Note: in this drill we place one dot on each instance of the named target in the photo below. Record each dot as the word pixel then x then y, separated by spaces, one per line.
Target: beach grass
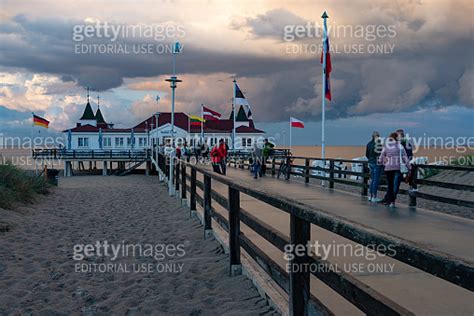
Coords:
pixel 19 186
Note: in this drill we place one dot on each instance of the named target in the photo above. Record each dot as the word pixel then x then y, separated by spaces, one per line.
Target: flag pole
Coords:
pixel 323 95
pixel 233 118
pixel 202 124
pixel 290 136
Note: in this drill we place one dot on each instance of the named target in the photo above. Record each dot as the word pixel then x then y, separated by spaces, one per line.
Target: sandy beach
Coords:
pixel 38 258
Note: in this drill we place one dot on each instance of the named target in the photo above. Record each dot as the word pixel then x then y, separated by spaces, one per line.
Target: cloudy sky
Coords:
pixel 396 64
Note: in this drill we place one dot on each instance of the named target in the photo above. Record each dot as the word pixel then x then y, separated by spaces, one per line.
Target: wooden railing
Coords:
pixel 337 172
pixel 131 155
pixel 297 283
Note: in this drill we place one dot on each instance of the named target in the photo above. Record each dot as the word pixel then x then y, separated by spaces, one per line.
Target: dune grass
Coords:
pixel 19 186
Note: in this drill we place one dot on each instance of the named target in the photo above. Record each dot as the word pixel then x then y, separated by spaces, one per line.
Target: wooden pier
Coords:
pixel 433 255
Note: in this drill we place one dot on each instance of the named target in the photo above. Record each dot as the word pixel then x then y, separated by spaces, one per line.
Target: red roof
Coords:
pixel 92 129
pixel 180 120
pixel 211 126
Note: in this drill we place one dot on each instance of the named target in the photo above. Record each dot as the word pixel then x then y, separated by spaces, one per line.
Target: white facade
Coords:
pixel 110 141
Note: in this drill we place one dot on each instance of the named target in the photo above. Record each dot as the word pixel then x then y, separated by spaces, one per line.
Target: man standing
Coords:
pixel 372 152
pixel 223 155
pixel 267 152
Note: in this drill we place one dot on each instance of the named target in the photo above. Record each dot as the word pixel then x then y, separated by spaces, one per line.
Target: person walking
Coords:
pixel 257 158
pixel 216 159
pixel 395 161
pixel 223 155
pixel 372 152
pixel 267 152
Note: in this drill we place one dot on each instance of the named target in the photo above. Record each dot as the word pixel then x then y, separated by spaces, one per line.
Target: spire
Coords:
pixel 98 115
pixel 88 113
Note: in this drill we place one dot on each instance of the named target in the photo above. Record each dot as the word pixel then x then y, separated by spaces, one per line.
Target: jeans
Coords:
pixel 375 173
pixel 223 166
pixel 394 178
pixel 256 168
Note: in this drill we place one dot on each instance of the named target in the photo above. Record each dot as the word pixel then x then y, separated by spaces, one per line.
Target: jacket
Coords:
pixel 390 156
pixel 215 155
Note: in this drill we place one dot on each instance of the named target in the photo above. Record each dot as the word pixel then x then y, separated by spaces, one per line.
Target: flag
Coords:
pixel 240 100
pixel 327 71
pixel 38 120
pixel 196 120
pixel 209 114
pixel 296 123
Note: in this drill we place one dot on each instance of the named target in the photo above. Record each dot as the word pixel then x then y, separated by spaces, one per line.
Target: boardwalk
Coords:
pixel 37 271
pixel 412 288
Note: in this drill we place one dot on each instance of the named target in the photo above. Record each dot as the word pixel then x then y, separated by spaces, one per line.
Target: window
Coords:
pixel 142 141
pixel 107 142
pixel 118 141
pixel 83 142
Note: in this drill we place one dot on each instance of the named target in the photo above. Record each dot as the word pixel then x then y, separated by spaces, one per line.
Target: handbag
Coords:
pixel 403 166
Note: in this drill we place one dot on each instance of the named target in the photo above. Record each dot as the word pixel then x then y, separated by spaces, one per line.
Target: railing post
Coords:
pixel 365 179
pixel 192 202
pixel 176 176
pixel 92 154
pixel 235 267
pixel 414 186
pixel 183 184
pixel 331 174
pixel 300 234
pixel 273 166
pixel 288 163
pixel 74 154
pixel 207 207
pixel 306 170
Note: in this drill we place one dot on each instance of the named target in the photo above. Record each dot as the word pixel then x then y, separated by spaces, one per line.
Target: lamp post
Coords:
pixel 173 80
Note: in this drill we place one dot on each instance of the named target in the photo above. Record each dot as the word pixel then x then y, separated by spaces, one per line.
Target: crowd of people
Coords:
pixel 391 157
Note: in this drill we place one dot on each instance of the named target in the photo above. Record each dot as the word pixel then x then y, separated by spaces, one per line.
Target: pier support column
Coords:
pixel 147 168
pixel 104 168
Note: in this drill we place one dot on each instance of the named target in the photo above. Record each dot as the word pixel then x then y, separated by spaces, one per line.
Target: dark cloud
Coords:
pixel 425 69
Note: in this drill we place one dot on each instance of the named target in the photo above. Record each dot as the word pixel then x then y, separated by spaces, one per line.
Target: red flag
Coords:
pixel 327 71
pixel 209 114
pixel 296 123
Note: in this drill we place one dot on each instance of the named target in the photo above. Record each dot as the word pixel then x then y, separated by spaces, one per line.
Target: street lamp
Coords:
pixel 173 80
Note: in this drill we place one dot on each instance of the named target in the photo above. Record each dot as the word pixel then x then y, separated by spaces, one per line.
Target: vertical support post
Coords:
pixel 192 202
pixel 273 166
pixel 306 170
pixel 235 267
pixel 331 174
pixel 104 168
pixel 177 175
pixel 414 186
pixel 183 184
pixel 300 233
pixel 365 179
pixel 207 207
pixel 288 163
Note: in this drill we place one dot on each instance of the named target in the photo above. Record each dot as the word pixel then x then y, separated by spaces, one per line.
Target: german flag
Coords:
pixel 38 120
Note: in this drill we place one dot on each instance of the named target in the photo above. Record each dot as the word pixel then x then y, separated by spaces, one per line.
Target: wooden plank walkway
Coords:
pixel 414 289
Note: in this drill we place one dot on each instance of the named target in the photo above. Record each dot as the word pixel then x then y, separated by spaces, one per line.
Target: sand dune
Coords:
pixel 37 270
